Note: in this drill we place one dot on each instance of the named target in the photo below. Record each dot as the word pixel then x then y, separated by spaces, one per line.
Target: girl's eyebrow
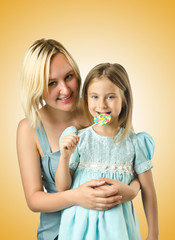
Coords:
pixel 92 93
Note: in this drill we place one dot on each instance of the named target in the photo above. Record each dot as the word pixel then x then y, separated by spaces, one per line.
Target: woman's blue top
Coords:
pixel 49 222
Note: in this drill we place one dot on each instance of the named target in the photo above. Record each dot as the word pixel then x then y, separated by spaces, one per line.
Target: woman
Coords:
pixel 50 85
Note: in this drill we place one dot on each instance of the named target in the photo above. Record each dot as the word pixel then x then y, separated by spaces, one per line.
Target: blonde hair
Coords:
pixel 35 76
pixel 117 75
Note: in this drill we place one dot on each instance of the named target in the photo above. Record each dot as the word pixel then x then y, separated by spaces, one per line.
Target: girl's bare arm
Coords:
pixel 150 203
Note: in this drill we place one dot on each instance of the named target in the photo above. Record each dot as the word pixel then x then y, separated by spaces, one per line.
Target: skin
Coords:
pixel 60 112
pixel 105 97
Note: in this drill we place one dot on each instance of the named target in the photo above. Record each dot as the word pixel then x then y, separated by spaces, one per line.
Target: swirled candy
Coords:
pixel 102 119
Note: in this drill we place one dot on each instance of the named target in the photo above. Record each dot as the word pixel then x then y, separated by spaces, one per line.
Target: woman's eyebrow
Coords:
pixel 70 71
pixel 52 79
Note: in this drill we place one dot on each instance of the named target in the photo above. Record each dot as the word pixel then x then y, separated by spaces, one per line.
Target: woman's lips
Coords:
pixel 66 99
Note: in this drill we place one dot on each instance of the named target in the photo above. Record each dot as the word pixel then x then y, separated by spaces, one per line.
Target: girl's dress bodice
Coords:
pixel 99 156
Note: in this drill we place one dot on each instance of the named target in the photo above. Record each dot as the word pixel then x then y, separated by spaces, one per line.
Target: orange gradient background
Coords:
pixel 138 34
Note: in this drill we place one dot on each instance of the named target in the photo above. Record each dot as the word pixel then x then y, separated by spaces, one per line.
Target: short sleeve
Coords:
pixel 75 158
pixel 144 150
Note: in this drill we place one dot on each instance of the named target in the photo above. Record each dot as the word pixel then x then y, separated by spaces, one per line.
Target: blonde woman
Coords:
pixel 49 89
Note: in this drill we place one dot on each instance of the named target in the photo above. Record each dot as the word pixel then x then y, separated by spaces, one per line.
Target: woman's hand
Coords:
pixel 128 192
pixel 96 195
pixel 68 145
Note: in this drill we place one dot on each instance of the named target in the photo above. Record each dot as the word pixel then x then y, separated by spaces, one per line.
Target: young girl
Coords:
pixel 110 151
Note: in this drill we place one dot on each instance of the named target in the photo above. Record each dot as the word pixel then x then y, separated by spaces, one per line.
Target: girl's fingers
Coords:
pixel 70 141
pixel 72 138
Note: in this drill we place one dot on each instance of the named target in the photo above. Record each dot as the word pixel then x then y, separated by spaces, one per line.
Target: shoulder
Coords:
pixel 145 139
pixel 24 126
pixel 25 130
pixel 145 144
pixel 141 137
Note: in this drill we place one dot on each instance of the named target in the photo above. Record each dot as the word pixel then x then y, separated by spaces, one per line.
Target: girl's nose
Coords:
pixel 102 104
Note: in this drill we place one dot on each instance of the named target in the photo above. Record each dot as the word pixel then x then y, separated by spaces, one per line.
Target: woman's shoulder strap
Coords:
pixel 42 137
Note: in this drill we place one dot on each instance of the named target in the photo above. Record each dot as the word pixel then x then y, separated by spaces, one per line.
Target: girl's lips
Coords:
pixel 104 113
pixel 66 99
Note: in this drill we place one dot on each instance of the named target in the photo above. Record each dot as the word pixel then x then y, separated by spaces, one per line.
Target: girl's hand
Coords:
pixel 89 196
pixel 68 145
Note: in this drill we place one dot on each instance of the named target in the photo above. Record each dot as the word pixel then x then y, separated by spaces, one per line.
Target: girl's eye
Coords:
pixel 94 97
pixel 110 97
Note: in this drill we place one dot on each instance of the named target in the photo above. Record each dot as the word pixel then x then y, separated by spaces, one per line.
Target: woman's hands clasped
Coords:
pixel 96 195
pixel 105 193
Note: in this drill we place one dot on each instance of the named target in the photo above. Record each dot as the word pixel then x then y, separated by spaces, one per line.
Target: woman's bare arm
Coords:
pixel 38 200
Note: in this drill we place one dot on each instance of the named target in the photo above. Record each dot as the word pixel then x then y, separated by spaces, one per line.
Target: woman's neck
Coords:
pixel 57 116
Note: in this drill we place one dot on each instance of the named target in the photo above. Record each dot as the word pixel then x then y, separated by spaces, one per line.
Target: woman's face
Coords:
pixel 63 86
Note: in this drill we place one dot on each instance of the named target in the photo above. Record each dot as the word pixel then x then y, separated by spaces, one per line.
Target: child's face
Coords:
pixel 104 97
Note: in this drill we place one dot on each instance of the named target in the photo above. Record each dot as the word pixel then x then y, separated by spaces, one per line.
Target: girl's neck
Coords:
pixel 107 130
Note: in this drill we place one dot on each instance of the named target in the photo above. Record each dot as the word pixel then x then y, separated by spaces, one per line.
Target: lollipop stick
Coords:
pixel 87 129
pixel 100 120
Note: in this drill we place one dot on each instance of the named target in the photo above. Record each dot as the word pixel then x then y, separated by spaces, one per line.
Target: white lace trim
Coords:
pixel 143 167
pixel 119 167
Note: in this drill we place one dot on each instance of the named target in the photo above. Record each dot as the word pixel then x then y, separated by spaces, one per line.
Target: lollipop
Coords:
pixel 100 120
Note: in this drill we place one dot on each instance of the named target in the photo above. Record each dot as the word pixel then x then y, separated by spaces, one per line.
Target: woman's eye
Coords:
pixel 51 84
pixel 69 76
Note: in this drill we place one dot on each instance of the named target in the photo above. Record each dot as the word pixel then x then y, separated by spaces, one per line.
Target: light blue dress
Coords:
pixel 49 222
pixel 99 156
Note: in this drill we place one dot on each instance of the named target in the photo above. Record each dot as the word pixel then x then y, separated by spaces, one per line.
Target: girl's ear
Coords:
pixel 123 103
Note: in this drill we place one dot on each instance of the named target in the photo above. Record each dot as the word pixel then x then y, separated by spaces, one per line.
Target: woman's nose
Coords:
pixel 64 89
